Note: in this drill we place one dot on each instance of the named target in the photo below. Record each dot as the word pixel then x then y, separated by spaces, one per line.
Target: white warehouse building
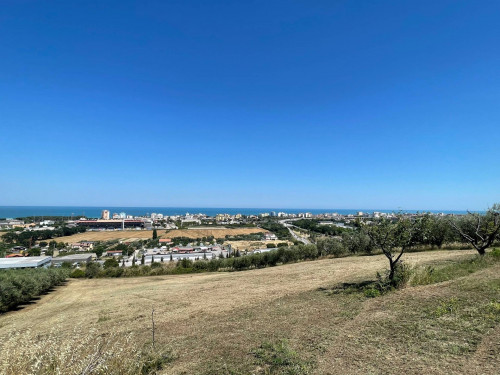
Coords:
pixel 25 262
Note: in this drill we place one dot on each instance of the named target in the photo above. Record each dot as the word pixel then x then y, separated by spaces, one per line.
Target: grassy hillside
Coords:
pixel 281 320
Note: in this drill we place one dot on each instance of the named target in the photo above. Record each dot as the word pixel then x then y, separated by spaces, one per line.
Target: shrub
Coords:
pixel 77 273
pixel 371 292
pixel 111 262
pixel 156 265
pixel 112 272
pixel 185 263
pixel 402 275
pixel 92 270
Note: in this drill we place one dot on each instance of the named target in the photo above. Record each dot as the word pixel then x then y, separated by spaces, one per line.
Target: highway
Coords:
pixel 296 237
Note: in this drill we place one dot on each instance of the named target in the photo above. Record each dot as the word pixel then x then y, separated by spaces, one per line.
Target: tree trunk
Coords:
pixel 391 273
pixel 481 251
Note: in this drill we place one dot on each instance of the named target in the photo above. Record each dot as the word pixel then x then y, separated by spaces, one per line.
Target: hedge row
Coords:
pixel 18 287
pixel 272 258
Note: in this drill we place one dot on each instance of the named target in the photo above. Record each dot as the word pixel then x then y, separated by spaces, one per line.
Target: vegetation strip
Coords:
pixel 19 287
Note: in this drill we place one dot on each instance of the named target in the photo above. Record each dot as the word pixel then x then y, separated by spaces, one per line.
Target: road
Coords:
pixel 295 236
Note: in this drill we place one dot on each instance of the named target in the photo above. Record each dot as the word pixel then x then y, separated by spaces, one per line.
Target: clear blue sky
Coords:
pixel 304 104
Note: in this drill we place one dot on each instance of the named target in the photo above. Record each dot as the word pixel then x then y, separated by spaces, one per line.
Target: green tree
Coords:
pixel 10 237
pixel 143 259
pixel 34 252
pixel 357 241
pixel 330 246
pixel 133 261
pixel 92 270
pixel 479 230
pixel 110 263
pixel 393 238
pixel 155 234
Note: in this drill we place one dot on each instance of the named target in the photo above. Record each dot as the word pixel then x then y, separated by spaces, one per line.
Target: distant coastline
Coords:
pixel 94 212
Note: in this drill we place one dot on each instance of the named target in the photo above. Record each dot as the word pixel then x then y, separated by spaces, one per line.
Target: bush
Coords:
pixel 185 263
pixel 156 265
pixel 259 260
pixel 92 270
pixel 112 272
pixel 110 263
pixel 77 273
pixel 402 275
pixel 371 292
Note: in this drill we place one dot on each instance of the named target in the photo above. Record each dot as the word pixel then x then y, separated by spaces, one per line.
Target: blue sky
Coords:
pixel 324 104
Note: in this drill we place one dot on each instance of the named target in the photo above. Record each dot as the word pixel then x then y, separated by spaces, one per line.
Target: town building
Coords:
pixel 83 245
pixel 105 215
pixel 269 236
pixel 11 223
pixel 75 258
pixel 114 253
pixel 25 262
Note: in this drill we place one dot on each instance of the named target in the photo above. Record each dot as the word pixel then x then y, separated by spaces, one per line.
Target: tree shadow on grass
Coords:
pixel 369 288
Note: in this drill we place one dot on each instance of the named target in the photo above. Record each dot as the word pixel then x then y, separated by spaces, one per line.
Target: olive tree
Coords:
pixel 393 238
pixel 477 229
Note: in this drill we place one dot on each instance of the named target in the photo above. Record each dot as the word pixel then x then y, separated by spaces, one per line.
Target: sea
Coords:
pixel 95 212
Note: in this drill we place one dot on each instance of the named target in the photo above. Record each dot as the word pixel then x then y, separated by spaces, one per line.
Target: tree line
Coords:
pixel 18 287
pixel 29 238
pixel 314 226
pixel 279 230
pixel 164 266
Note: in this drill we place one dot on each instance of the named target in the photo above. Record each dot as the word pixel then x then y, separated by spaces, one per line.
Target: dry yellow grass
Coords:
pixel 213 320
pixel 253 245
pixel 147 234
pixel 215 232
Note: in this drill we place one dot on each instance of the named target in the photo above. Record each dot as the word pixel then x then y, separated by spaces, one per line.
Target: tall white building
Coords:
pixel 105 215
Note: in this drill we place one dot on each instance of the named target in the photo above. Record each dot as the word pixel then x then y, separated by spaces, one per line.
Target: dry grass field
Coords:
pixel 235 323
pixel 147 234
pixel 216 232
pixel 253 245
